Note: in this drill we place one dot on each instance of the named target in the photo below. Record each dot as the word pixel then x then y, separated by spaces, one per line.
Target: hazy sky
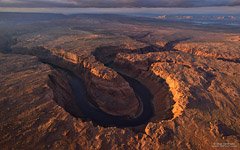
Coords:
pixel 198 10
pixel 117 3
pixel 123 6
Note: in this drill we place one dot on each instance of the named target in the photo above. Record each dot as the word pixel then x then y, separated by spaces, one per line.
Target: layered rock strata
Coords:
pixel 205 109
pixel 101 82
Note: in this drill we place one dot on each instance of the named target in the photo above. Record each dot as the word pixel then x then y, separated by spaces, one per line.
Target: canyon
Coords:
pixel 123 84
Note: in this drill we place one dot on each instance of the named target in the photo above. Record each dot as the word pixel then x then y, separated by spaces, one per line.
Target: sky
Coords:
pixel 123 6
pixel 116 3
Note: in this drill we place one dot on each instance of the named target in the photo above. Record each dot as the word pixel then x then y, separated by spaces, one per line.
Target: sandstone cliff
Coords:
pixel 101 82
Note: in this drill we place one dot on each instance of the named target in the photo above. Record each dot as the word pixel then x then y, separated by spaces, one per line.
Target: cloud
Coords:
pixel 117 3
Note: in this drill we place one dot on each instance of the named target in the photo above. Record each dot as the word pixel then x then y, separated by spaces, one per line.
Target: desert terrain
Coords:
pixel 117 82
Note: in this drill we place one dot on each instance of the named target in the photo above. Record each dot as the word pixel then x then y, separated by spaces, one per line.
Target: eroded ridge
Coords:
pixel 101 114
pixel 101 82
pixel 162 97
pixel 95 80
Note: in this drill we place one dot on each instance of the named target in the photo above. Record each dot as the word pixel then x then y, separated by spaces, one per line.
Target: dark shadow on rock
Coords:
pixel 219 128
pixel 166 136
pixel 171 44
pixel 106 55
pixel 6 43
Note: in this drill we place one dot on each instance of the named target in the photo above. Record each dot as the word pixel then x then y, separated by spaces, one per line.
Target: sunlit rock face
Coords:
pixel 194 82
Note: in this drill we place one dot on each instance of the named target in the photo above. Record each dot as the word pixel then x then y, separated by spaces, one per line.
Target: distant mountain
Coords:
pixel 233 20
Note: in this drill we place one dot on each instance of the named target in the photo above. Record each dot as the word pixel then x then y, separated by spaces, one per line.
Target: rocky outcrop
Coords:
pixel 139 69
pixel 202 90
pixel 220 50
pixel 101 82
pixel 34 110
